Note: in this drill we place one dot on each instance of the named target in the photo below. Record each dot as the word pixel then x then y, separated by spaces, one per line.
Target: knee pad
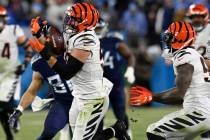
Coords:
pixel 151 136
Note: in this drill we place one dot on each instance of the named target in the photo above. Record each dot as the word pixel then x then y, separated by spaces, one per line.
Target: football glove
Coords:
pixel 37 25
pixel 129 74
pixel 21 68
pixel 13 119
pixel 140 95
pixel 44 50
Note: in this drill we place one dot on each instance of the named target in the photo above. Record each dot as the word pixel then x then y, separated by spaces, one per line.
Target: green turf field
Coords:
pixel 32 123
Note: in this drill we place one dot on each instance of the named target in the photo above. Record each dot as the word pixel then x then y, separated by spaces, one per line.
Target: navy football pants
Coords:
pixel 57 118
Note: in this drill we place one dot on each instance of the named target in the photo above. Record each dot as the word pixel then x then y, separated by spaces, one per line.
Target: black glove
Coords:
pixel 14 118
pixel 47 52
pixel 21 68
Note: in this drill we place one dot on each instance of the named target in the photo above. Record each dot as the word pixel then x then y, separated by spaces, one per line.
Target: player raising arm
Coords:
pixel 58 115
pixel 192 89
pixel 83 65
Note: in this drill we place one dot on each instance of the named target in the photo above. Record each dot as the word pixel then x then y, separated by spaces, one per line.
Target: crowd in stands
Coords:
pixel 141 22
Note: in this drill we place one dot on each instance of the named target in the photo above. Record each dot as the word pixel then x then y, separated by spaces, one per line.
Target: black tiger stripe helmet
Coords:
pixel 179 35
pixel 80 17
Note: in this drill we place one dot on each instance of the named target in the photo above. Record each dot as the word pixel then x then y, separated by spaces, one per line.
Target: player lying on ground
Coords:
pixel 58 115
pixel 83 65
pixel 11 36
pixel 192 89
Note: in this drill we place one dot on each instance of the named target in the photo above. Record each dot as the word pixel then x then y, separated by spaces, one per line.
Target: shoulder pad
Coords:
pixel 116 35
pixel 84 41
pixel 35 58
pixel 182 57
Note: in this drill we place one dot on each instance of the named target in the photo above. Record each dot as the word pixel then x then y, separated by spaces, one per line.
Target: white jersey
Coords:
pixel 198 93
pixel 88 82
pixel 9 84
pixel 202 42
pixel 8 48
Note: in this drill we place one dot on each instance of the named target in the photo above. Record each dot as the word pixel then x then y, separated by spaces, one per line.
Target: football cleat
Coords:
pixel 120 131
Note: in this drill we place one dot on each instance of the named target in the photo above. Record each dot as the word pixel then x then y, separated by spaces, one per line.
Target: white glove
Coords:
pixel 167 56
pixel 129 74
pixel 39 103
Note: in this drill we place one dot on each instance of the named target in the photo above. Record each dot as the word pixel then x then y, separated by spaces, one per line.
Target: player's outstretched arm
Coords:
pixel 128 55
pixel 75 60
pixel 175 95
pixel 32 91
pixel 140 95
pixel 27 98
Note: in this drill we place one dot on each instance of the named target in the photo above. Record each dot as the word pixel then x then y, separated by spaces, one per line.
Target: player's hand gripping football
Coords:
pixel 13 119
pixel 140 96
pixel 37 25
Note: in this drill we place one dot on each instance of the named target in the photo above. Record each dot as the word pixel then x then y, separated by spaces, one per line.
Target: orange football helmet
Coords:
pixel 179 34
pixel 198 10
pixel 3 17
pixel 80 17
pixel 3 11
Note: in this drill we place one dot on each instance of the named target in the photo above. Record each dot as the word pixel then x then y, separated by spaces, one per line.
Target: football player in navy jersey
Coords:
pixel 58 115
pixel 115 53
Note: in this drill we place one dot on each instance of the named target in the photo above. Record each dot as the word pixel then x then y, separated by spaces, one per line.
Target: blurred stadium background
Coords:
pixel 139 21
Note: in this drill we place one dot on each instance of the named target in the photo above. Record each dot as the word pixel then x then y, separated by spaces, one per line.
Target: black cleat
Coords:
pixel 120 131
pixel 16 127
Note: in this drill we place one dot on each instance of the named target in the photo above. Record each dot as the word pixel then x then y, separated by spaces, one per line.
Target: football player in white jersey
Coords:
pixel 83 65
pixel 198 15
pixel 192 89
pixel 11 36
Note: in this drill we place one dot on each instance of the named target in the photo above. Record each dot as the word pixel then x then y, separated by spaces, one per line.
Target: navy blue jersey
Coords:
pixel 61 88
pixel 113 60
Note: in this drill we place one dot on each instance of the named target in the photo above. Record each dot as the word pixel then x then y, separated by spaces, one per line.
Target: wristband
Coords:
pixel 20 108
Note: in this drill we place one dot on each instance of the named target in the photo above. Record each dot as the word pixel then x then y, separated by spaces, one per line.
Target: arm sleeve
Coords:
pixel 68 69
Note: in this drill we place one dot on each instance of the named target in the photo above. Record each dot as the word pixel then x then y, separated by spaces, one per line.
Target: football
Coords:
pixel 55 38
